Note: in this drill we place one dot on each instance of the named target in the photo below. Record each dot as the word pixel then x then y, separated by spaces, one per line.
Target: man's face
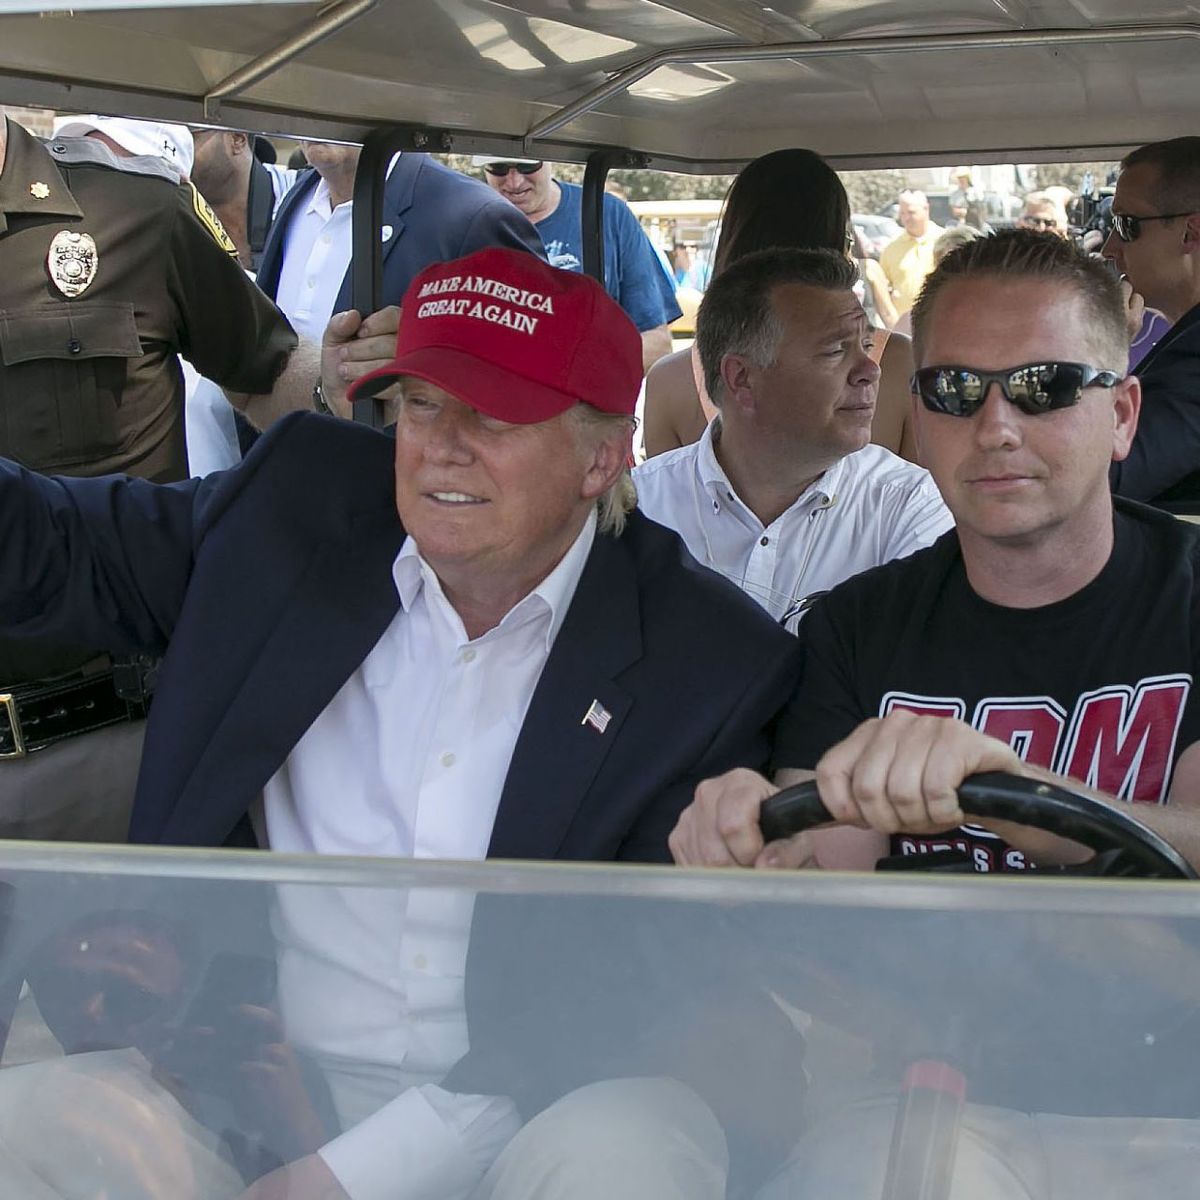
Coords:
pixel 819 395
pixel 1043 217
pixel 1007 476
pixel 914 216
pixel 485 499
pixel 332 158
pixel 533 194
pixel 213 167
pixel 1154 262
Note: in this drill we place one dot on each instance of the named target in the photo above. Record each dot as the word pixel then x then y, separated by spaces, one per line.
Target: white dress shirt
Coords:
pixel 316 256
pixel 317 247
pixel 408 759
pixel 867 509
pixel 212 440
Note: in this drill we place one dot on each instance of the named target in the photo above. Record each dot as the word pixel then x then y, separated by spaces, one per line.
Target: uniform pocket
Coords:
pixel 65 368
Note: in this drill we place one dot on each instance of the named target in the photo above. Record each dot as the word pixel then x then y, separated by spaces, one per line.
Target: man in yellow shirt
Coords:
pixel 908 257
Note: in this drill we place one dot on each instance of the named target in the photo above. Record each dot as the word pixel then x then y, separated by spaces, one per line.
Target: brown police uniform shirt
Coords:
pixel 90 384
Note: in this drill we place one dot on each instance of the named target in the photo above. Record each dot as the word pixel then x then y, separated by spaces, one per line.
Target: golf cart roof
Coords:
pixel 712 82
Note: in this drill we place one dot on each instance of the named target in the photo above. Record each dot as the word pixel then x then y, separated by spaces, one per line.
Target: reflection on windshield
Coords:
pixel 185 1037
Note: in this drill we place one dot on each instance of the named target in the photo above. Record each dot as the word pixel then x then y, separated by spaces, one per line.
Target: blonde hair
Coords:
pixel 615 505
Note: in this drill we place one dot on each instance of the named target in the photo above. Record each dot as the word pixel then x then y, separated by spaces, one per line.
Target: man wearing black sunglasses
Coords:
pixel 1155 242
pixel 634 276
pixel 1051 634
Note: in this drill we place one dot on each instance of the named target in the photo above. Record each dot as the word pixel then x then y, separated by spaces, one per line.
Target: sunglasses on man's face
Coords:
pixel 1128 228
pixel 1034 388
pixel 503 168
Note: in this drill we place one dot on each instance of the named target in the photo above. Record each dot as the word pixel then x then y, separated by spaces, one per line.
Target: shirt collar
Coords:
pixel 716 483
pixel 553 595
pixel 320 203
pixel 28 171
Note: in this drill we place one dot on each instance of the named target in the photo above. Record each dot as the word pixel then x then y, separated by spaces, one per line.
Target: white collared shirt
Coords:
pixel 408 759
pixel 316 257
pixel 317 247
pixel 867 509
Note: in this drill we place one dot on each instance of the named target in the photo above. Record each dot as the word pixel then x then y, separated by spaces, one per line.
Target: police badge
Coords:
pixel 72 262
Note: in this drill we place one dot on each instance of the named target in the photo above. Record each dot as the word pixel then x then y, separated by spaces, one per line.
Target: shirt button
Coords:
pixel 74 345
pixel 310 282
pixel 325 240
pixel 448 759
pixel 765 541
pixel 420 962
pixel 716 506
pixel 468 655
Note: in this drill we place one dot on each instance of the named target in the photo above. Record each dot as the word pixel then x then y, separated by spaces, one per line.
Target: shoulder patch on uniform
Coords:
pixel 73 151
pixel 210 221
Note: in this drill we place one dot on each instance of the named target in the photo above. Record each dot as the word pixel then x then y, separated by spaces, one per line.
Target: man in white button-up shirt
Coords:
pixel 783 494
pixel 461 643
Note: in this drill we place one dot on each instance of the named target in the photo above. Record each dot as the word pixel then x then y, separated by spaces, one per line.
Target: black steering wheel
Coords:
pixel 1124 846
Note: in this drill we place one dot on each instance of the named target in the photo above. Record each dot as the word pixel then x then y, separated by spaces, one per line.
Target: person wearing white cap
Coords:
pixel 127 136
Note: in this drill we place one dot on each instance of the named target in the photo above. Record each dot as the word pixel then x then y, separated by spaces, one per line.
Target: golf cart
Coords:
pixel 181 1023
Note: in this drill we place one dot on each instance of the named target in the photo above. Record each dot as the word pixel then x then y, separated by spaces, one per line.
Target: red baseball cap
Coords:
pixel 514 338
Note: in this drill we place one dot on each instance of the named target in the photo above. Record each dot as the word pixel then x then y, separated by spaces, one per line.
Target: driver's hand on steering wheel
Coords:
pixel 720 827
pixel 899 773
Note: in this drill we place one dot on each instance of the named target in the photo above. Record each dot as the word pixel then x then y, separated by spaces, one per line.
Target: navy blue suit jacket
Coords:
pixel 435 215
pixel 266 586
pixel 1164 461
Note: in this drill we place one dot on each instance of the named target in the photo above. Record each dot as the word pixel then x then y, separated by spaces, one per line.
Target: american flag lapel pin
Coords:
pixel 597 716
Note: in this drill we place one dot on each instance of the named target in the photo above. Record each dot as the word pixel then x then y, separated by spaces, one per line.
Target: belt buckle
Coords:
pixel 8 704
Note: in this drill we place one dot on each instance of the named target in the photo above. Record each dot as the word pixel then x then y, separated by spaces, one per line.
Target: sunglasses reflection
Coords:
pixel 175 1078
pixel 1034 388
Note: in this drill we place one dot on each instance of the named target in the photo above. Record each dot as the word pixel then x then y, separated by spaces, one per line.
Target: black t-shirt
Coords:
pixel 1097 686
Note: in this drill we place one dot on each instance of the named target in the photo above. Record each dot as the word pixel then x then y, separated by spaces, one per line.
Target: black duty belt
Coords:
pixel 36 715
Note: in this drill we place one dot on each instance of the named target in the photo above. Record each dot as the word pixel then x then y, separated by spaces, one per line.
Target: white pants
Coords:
pixel 632 1139
pixel 654 1139
pixel 1003 1155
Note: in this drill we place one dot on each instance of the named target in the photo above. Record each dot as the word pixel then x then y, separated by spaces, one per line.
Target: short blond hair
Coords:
pixel 1020 254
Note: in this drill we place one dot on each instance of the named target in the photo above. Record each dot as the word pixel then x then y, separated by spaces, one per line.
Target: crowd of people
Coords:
pixel 883 562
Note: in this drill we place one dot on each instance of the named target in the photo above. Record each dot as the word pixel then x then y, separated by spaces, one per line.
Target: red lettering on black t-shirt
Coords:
pixel 1122 739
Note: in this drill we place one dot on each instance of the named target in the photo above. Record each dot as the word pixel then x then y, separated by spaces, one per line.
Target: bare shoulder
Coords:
pixel 673 414
pixel 890 427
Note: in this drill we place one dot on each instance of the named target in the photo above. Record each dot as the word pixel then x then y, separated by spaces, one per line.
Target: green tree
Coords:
pixel 1071 174
pixel 872 191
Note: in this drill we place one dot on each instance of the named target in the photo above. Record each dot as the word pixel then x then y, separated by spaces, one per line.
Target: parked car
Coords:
pixel 876 229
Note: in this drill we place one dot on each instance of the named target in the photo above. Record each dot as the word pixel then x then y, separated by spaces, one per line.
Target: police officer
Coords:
pixel 110 267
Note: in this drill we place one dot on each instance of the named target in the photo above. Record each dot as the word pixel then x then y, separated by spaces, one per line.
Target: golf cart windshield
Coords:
pixel 181 1022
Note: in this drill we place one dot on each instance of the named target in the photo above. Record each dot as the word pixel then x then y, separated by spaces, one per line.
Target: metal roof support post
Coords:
pixel 366 256
pixel 599 163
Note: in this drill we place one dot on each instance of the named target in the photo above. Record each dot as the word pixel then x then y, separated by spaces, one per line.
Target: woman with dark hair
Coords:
pixel 788 198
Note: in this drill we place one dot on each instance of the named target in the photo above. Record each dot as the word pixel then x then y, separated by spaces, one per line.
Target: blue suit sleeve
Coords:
pixel 102 562
pixel 744 741
pixel 502 225
pixel 1167 447
pixel 643 288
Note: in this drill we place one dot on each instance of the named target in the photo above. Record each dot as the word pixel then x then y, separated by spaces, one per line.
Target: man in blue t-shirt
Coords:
pixel 633 274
